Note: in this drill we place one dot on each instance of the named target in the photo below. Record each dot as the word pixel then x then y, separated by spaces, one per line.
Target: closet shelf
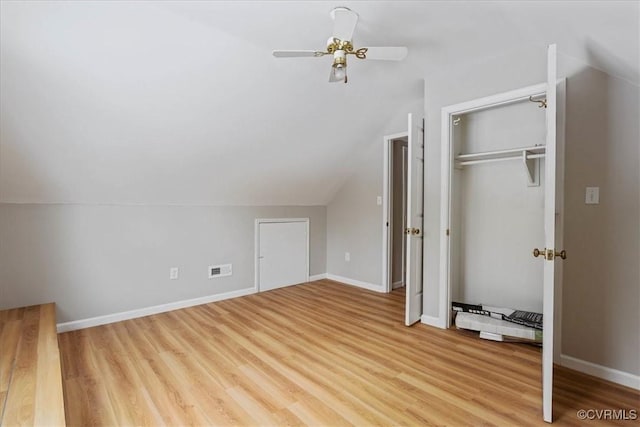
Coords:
pixel 533 152
pixel 528 155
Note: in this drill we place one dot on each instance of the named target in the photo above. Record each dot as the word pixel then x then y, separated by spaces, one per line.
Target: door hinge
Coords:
pixel 447 232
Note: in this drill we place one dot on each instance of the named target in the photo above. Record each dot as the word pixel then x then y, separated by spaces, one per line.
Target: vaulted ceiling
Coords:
pixel 182 102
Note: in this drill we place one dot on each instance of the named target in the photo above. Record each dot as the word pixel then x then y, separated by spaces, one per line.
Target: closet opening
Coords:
pixel 395 207
pixel 496 219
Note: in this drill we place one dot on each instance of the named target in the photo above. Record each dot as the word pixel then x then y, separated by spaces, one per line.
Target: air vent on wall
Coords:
pixel 220 270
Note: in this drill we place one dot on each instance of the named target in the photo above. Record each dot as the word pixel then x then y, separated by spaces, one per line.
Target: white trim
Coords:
pixel 256 251
pixel 561 101
pixel 432 321
pixel 386 207
pixel 358 283
pixel 609 374
pixel 550 218
pixel 147 311
pixel 447 113
pixel 445 204
pixel 317 277
pixel 397 284
pixel 386 213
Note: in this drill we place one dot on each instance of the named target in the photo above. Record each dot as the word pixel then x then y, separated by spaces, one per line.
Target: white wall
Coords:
pixel 94 260
pixel 601 298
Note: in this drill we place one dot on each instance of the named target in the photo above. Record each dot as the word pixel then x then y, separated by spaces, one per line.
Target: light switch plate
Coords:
pixel 379 200
pixel 592 196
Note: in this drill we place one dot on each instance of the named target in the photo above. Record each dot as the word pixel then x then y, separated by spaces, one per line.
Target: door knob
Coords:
pixel 562 254
pixel 549 254
pixel 545 253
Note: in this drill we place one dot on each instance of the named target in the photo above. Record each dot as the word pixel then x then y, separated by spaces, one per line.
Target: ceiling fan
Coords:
pixel 341 44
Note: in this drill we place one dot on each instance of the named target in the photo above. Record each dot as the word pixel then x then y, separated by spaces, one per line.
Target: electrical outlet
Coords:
pixel 347 256
pixel 173 273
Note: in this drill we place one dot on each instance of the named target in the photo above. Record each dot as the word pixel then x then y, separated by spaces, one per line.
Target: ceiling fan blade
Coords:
pixel 296 53
pixel 387 53
pixel 344 23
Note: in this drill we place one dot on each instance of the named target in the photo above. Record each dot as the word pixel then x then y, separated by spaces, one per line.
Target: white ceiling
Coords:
pixel 182 102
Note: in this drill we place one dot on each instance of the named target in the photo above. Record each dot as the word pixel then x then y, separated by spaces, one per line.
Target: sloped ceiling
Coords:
pixel 182 102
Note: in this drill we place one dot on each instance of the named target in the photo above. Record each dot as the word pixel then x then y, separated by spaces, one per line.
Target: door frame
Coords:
pixel 256 255
pixel 387 212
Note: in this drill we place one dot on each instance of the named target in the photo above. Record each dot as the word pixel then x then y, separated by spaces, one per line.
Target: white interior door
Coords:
pixel 415 173
pixel 549 286
pixel 283 254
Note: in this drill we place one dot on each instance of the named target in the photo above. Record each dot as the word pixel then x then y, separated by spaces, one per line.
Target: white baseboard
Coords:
pixel 433 321
pixel 317 277
pixel 397 284
pixel 609 374
pixel 147 311
pixel 358 283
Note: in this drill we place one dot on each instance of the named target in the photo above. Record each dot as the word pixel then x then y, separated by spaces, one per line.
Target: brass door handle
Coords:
pixel 562 254
pixel 549 254
pixel 414 231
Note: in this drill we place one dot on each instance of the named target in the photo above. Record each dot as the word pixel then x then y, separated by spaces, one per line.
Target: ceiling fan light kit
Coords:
pixel 340 45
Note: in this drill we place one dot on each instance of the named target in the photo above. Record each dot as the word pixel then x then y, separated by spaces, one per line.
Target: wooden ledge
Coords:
pixel 30 374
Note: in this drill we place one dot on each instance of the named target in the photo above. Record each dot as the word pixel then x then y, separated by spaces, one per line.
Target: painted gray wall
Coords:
pixel 95 260
pixel 601 321
pixel 601 297
pixel 354 220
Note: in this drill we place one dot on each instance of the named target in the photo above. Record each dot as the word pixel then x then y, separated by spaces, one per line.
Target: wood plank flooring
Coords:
pixel 316 354
pixel 30 372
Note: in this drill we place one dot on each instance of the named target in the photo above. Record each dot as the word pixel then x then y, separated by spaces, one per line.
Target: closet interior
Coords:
pixel 497 207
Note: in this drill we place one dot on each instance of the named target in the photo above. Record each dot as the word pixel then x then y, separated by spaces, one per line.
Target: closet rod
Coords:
pixel 536 148
pixel 499 159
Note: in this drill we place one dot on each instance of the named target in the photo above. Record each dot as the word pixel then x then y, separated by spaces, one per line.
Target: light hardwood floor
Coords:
pixel 317 354
pixel 30 376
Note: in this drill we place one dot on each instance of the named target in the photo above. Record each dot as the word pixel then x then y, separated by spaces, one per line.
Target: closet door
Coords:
pixel 282 253
pixel 552 252
pixel 413 260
